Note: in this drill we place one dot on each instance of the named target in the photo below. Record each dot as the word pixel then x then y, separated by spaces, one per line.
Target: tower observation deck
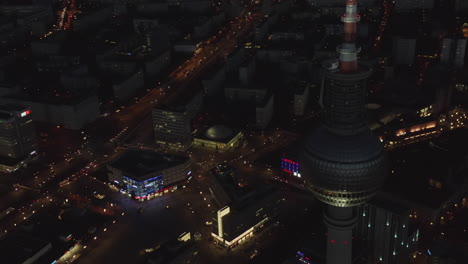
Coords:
pixel 343 163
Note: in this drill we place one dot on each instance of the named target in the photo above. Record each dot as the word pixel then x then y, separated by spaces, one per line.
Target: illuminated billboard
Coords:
pixel 290 166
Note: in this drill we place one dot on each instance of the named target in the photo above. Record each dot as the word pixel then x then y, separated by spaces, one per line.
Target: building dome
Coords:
pixel 218 132
pixel 343 170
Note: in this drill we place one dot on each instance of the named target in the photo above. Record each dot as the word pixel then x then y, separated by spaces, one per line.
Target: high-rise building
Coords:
pixel 414 4
pixel 461 5
pixel 301 98
pixel 343 163
pixel 384 226
pixel 404 50
pixel 172 125
pixel 453 52
pixel 17 133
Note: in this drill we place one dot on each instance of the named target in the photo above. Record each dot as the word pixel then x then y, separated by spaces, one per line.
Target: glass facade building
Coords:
pixel 142 189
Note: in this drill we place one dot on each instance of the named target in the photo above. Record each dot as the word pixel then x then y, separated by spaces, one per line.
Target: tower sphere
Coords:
pixel 343 170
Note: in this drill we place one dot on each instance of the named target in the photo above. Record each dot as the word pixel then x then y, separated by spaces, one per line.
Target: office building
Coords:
pixel 453 52
pixel 411 132
pixel 219 138
pixel 72 113
pixel 17 132
pixel 172 125
pixel 387 231
pixel 442 251
pixel 213 80
pixel 343 163
pixel 301 98
pixel 264 111
pixel 243 210
pixel 461 5
pixel 176 252
pixel 327 3
pixel 440 181
pixel 414 4
pixel 404 50
pixel 143 174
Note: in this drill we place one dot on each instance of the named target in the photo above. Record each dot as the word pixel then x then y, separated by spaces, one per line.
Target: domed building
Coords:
pixel 218 137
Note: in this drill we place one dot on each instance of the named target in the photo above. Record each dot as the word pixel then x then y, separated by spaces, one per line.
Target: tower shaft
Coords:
pixel 340 222
pixel 344 162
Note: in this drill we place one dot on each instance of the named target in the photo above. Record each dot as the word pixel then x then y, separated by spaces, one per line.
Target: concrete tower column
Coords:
pixel 340 222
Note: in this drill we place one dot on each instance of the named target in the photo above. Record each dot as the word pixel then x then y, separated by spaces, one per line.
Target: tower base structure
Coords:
pixel 340 222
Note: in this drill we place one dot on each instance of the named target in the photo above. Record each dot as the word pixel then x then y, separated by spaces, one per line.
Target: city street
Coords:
pixel 43 179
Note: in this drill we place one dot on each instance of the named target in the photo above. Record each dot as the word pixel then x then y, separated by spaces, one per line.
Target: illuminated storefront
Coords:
pixel 143 189
pixel 144 174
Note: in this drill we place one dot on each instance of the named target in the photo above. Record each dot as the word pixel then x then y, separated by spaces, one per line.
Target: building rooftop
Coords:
pixel 179 101
pixel 261 205
pixel 228 186
pixel 426 172
pixel 10 162
pixel 385 201
pixel 19 248
pixel 174 252
pixel 7 109
pixel 5 116
pixel 12 107
pixel 54 100
pixel 138 163
pixel 218 133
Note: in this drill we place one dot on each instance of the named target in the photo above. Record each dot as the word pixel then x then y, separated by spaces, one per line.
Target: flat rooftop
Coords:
pixel 262 204
pixel 12 107
pixel 414 167
pixel 5 116
pixel 384 201
pixel 137 163
pixel 231 185
pixel 53 100
pixel 19 248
